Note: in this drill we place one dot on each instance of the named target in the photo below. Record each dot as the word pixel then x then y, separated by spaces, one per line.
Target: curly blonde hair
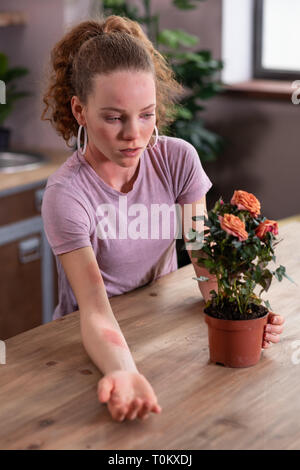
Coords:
pixel 102 46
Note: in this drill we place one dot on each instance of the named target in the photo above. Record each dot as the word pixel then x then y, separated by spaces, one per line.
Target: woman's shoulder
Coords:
pixel 177 152
pixel 63 190
pixel 174 143
pixel 64 176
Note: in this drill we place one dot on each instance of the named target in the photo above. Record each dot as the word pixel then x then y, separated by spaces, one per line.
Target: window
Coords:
pixel 277 39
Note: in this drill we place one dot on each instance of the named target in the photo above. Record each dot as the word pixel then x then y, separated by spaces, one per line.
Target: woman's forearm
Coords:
pixel 204 286
pixel 105 343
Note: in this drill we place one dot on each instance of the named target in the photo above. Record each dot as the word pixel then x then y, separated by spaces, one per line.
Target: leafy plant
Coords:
pixel 8 76
pixel 194 70
pixel 238 243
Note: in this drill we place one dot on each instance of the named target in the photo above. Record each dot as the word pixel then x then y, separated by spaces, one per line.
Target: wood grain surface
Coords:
pixel 48 385
pixel 55 158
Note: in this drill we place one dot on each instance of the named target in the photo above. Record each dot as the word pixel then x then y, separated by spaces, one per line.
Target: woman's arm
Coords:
pixel 127 393
pixel 101 334
pixel 188 211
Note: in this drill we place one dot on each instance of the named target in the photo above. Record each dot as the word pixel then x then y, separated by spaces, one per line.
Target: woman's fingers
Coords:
pixel 275 319
pixel 118 411
pixel 105 387
pixel 137 409
pixel 156 408
pixel 134 409
pixel 273 338
pixel 275 329
pixel 121 394
pixel 145 410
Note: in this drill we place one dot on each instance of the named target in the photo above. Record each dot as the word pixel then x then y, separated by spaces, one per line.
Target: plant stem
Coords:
pixel 237 297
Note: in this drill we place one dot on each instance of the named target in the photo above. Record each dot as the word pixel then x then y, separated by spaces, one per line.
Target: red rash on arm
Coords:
pixel 109 335
pixel 113 337
pixel 94 273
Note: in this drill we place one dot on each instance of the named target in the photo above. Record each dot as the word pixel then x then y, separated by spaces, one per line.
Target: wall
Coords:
pixel 30 46
pixel 261 151
pixel 261 135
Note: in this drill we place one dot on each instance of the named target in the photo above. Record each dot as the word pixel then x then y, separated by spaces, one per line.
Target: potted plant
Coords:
pixel 237 245
pixel 8 76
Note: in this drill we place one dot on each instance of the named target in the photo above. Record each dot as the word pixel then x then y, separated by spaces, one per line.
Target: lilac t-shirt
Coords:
pixel 133 234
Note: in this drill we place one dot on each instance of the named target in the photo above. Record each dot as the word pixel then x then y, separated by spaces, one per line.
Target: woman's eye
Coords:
pixel 118 118
pixel 112 118
pixel 148 115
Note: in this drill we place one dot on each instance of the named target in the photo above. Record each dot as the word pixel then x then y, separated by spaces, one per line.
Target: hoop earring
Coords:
pixel 156 139
pixel 78 140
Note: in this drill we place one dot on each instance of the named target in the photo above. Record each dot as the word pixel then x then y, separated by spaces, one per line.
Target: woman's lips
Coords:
pixel 131 153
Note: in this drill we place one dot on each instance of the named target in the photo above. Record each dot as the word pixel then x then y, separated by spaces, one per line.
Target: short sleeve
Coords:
pixel 190 181
pixel 66 220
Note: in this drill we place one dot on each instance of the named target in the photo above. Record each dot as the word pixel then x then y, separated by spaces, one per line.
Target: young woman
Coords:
pixel 110 84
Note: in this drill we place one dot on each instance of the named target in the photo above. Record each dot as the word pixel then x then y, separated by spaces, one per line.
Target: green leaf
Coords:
pixel 18 95
pixel 5 110
pixel 279 272
pixel 113 3
pixel 191 234
pixel 209 264
pixel 14 73
pixel 201 278
pixel 190 56
pixel 185 4
pixel 3 65
pixel 236 244
pixel 175 38
pixel 267 304
pixel 183 113
pixel 290 279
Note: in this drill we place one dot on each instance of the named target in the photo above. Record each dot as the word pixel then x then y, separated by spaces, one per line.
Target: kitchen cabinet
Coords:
pixel 28 279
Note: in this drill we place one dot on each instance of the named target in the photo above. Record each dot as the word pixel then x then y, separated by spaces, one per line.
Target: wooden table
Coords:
pixel 48 386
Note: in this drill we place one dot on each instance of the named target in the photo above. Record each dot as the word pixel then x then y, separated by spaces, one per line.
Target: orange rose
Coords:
pixel 246 201
pixel 234 226
pixel 266 226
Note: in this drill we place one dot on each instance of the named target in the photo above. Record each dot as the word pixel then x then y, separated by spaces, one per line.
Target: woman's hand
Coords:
pixel 273 329
pixel 128 395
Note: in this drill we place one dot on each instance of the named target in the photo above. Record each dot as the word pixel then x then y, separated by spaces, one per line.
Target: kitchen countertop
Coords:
pixel 9 181
pixel 48 384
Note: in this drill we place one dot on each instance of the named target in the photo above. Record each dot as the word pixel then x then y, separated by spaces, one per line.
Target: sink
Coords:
pixel 13 162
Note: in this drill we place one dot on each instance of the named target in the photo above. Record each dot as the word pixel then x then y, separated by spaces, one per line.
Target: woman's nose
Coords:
pixel 130 130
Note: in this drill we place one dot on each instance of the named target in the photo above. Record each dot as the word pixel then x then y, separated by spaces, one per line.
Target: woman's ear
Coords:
pixel 78 110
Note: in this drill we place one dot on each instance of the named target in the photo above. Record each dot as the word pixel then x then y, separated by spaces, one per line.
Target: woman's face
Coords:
pixel 130 124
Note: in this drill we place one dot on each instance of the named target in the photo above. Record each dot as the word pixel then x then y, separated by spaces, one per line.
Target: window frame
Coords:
pixel 258 70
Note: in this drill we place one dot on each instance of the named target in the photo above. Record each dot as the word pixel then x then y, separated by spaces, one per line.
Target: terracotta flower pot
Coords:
pixel 235 343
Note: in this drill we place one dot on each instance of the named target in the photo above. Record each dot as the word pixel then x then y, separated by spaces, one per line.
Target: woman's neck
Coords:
pixel 119 178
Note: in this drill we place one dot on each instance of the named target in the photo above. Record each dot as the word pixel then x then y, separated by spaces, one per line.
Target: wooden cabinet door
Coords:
pixel 20 286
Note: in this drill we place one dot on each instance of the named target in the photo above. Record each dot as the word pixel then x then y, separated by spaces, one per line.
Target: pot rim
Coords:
pixel 220 323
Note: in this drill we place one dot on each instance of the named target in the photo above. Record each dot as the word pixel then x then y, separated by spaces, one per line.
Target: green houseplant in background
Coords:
pixel 196 71
pixel 8 75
